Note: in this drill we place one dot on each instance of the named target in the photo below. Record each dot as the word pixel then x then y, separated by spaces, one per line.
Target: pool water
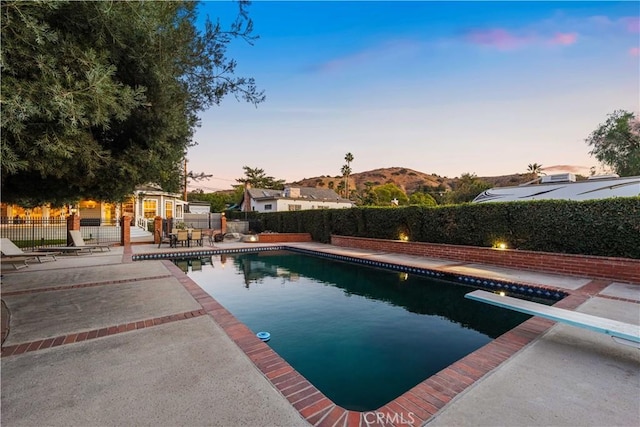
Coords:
pixel 362 335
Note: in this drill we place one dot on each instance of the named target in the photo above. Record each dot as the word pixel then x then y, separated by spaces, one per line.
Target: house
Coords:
pixel 292 199
pixel 147 202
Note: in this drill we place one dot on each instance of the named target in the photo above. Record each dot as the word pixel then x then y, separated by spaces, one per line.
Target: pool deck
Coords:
pixel 101 340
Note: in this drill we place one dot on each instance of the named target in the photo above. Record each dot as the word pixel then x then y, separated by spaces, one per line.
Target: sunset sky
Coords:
pixel 439 87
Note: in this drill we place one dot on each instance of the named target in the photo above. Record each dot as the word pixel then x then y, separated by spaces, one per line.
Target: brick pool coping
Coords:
pixel 416 406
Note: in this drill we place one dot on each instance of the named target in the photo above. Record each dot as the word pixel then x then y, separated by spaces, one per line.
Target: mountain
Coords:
pixel 407 179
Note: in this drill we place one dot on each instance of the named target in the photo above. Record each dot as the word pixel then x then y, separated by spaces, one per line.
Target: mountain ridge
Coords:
pixel 407 179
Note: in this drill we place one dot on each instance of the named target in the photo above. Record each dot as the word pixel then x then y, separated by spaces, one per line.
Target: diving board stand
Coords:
pixel 623 333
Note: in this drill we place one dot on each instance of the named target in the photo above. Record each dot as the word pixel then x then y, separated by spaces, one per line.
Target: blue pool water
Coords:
pixel 361 335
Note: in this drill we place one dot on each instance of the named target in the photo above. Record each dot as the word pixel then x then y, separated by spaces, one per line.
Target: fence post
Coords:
pixel 73 224
pixel 125 231
pixel 223 223
pixel 157 225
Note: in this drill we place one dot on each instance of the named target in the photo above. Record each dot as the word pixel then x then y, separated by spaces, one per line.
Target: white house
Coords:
pixel 149 201
pixel 292 199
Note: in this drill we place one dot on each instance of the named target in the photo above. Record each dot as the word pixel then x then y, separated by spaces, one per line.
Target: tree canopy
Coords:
pixel 616 143
pixel 346 172
pixel 387 192
pixel 466 189
pixel 257 178
pixel 534 169
pixel 98 97
pixel 422 199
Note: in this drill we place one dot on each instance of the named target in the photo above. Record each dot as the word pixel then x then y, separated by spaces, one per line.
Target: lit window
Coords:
pixel 150 208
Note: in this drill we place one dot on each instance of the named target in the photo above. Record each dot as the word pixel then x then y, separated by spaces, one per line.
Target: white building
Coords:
pixel 292 199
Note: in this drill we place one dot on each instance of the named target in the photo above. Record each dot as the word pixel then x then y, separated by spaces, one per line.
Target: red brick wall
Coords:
pixel 125 231
pixel 618 269
pixel 73 224
pixel 284 237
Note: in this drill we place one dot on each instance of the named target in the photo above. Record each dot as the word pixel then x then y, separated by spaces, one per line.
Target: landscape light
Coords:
pixel 404 236
pixel 500 245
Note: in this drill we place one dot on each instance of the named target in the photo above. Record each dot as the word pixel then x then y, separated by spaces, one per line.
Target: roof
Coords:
pixel 309 193
pixel 152 189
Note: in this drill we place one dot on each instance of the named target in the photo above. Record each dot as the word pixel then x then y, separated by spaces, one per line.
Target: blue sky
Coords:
pixel 439 87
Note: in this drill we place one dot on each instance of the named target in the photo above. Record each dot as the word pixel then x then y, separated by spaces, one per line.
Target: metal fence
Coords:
pixel 32 233
pixel 104 233
pixel 203 221
pixel 37 232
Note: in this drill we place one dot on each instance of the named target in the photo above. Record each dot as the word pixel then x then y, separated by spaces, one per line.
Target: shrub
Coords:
pixel 596 227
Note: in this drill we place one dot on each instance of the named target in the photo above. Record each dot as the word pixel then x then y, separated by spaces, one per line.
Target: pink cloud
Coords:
pixel 564 39
pixel 634 51
pixel 497 37
pixel 504 40
pixel 632 24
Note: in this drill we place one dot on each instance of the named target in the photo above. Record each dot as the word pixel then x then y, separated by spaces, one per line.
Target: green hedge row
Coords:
pixel 596 227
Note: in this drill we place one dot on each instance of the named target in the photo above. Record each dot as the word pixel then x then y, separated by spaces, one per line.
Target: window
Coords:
pixel 168 209
pixel 179 211
pixel 295 207
pixel 150 208
pixel 268 207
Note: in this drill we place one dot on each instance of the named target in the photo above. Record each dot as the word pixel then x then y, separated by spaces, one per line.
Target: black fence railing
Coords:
pixel 100 233
pixel 32 233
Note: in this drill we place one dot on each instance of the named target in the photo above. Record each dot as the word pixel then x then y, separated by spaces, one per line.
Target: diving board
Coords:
pixel 623 333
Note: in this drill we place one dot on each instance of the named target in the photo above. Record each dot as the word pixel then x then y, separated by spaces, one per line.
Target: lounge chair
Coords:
pixel 16 262
pixel 10 250
pixel 78 242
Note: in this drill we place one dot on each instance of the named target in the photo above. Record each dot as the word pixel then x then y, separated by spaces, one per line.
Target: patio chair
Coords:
pixel 196 236
pixel 78 242
pixel 182 237
pixel 10 250
pixel 165 238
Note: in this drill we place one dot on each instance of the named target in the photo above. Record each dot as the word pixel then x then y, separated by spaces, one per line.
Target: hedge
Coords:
pixel 608 227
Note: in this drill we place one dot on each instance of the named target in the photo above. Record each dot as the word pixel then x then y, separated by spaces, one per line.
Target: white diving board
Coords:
pixel 623 333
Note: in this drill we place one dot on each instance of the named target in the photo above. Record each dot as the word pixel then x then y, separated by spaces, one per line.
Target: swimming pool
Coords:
pixel 361 335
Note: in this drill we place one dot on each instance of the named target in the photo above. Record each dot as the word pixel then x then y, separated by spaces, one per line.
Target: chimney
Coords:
pixel 292 192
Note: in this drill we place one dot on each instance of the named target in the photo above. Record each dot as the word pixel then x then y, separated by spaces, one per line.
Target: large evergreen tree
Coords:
pixel 98 97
